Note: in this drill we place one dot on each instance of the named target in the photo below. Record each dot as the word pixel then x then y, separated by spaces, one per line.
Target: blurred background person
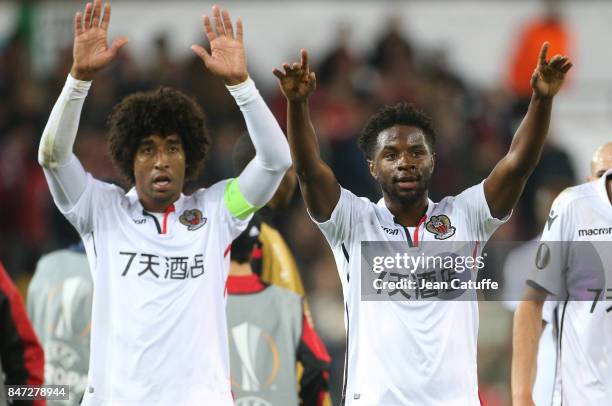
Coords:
pixel 59 305
pixel 549 26
pixel 516 269
pixel 561 273
pixel 269 334
pixel 21 355
pixel 272 259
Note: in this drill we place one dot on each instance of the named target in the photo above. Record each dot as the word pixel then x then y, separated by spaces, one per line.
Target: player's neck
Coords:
pixel 408 214
pixel 237 269
pixel 154 206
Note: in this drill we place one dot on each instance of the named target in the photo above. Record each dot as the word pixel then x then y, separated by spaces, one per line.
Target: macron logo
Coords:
pixel 587 232
pixel 551 219
pixel 390 231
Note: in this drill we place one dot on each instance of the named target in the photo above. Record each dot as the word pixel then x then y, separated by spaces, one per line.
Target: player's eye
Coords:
pixel 390 156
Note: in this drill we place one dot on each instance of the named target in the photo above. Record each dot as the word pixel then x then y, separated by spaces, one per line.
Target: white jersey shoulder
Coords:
pixel 575 195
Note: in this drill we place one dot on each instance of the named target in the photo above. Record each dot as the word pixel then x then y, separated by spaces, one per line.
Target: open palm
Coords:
pixel 91 51
pixel 227 57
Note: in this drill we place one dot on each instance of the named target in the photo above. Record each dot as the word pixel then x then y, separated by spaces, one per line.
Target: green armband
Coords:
pixel 235 202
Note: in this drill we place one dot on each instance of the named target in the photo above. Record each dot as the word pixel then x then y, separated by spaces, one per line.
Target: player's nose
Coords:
pixel 161 160
pixel 405 162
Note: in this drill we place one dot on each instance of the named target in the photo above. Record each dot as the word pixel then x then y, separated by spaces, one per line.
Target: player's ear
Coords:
pixel 433 161
pixel 372 168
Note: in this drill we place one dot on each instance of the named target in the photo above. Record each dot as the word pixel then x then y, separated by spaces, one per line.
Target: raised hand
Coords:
pixel 297 82
pixel 227 58
pixel 548 76
pixel 90 51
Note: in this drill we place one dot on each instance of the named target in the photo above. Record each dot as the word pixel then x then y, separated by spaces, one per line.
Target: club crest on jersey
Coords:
pixel 193 219
pixel 440 226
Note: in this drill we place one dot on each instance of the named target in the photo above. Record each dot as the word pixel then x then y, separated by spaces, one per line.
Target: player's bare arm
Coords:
pixel 318 184
pixel 525 341
pixel 227 58
pixel 505 184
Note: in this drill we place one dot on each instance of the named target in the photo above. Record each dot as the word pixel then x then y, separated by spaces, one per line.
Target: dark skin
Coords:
pixel 159 171
pixel 407 202
pixel 403 165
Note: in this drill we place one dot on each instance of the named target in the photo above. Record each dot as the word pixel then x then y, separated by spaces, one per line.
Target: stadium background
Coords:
pixel 461 61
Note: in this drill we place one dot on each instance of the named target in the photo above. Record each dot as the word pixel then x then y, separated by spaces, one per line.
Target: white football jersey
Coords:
pixel 574 264
pixel 412 352
pixel 159 334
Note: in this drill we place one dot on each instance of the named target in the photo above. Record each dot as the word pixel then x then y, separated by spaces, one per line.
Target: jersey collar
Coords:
pixel 136 206
pixel 390 217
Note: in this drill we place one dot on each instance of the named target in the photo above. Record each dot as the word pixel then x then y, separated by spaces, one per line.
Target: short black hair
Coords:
pixel 163 111
pixel 243 153
pixel 400 114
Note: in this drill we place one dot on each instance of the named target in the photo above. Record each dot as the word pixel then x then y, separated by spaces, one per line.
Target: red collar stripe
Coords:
pixel 416 230
pixel 169 210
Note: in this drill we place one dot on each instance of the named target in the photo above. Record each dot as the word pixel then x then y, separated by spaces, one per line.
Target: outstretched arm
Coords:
pixel 505 184
pixel 261 177
pixel 66 176
pixel 525 342
pixel 318 184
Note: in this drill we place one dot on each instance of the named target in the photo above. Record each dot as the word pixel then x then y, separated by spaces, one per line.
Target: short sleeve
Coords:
pixel 343 218
pixel 474 203
pixel 97 197
pixel 550 261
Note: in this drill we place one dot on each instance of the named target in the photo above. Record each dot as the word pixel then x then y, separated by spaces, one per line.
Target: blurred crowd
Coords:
pixel 474 128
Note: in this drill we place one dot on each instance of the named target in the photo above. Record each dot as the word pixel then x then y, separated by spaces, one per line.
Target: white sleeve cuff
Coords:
pixel 76 87
pixel 244 92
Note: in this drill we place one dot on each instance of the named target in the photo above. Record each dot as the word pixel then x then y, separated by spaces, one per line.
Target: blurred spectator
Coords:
pixel 269 333
pixel 547 27
pixel 272 261
pixel 21 356
pixel 59 304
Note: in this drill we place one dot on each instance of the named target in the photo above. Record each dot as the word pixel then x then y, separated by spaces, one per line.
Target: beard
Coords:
pixel 406 197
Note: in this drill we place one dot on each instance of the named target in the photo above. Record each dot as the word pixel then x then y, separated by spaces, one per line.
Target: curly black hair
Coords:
pixel 163 111
pixel 400 114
